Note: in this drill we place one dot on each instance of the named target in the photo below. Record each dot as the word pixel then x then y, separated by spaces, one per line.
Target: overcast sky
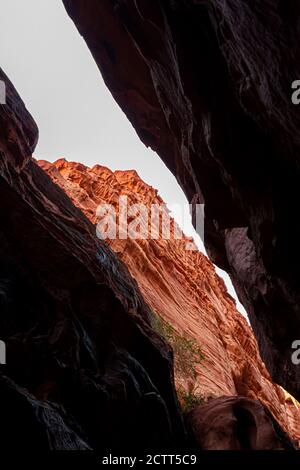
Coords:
pixel 50 65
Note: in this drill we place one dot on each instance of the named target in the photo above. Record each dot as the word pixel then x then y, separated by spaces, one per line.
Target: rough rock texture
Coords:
pixel 207 84
pixel 182 287
pixel 236 423
pixel 84 367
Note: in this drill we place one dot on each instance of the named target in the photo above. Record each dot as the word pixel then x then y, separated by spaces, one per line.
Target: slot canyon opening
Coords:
pixel 52 68
pixel 78 119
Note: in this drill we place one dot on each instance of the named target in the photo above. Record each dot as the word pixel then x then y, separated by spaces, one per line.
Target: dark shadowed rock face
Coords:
pixel 236 423
pixel 84 368
pixel 182 287
pixel 208 86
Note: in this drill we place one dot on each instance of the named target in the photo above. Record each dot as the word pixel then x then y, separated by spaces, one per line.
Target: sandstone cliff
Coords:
pixel 207 84
pixel 236 423
pixel 216 352
pixel 84 367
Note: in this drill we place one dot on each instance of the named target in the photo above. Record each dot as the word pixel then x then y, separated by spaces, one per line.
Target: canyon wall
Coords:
pixel 216 353
pixel 84 367
pixel 207 84
pixel 236 423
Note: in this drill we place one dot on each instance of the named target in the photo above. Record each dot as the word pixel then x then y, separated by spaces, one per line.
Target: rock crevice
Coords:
pixel 208 86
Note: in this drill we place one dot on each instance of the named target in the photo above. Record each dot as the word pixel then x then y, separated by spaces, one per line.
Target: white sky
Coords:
pixel 50 65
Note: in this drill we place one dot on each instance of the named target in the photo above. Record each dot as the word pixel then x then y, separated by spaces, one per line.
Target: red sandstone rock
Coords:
pixel 84 367
pixel 183 288
pixel 207 85
pixel 236 423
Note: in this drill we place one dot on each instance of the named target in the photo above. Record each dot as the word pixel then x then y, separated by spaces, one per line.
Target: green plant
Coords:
pixel 189 400
pixel 187 353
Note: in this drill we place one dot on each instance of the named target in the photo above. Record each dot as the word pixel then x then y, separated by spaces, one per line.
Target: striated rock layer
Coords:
pixel 207 84
pixel 84 367
pixel 182 287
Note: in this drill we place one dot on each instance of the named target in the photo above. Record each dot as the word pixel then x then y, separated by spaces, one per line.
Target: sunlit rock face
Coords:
pixel 84 368
pixel 183 289
pixel 208 86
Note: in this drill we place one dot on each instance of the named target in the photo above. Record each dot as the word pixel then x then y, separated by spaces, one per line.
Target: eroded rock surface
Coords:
pixel 208 86
pixel 237 423
pixel 183 289
pixel 84 367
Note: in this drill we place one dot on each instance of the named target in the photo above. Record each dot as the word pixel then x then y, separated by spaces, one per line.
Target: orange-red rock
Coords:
pixel 207 85
pixel 183 288
pixel 84 368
